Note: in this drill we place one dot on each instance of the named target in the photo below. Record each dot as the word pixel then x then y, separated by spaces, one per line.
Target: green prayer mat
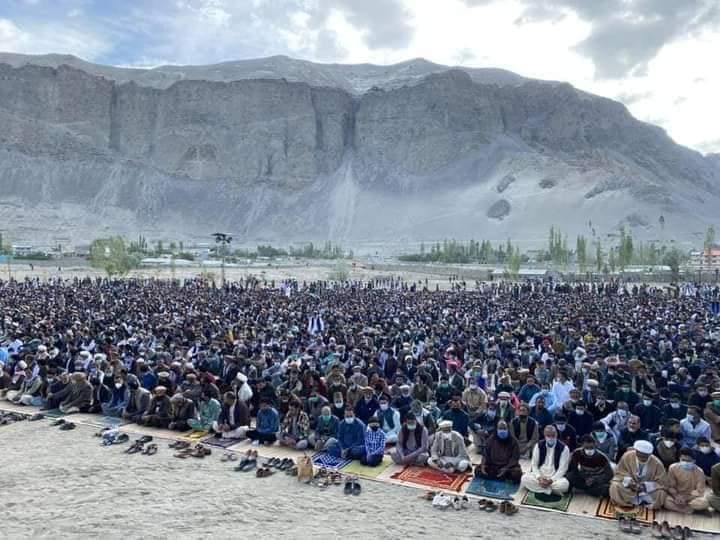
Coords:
pixel 355 467
pixel 552 502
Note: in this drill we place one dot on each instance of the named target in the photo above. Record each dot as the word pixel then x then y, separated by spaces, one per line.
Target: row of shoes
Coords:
pixel 7 418
pixel 663 530
pixel 248 462
pixel 198 451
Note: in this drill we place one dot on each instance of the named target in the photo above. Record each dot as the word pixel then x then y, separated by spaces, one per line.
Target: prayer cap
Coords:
pixel 445 424
pixel 644 447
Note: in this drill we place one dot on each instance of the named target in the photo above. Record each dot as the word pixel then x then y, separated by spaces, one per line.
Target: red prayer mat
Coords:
pixel 426 476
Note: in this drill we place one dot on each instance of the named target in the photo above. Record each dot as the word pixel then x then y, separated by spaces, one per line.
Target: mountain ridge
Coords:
pixel 427 156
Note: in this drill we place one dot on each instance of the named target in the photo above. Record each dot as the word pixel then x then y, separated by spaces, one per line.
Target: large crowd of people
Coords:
pixel 607 389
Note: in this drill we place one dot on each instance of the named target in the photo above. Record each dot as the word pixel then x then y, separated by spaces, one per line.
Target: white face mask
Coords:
pixel 669 444
pixel 705 449
pixel 550 442
pixel 338 404
pixel 590 452
pixel 647 402
pixel 675 405
pixel 118 385
pixel 560 427
pixel 384 406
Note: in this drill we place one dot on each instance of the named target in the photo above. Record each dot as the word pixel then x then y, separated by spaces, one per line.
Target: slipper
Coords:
pixel 464 502
pixel 249 465
pixel 151 450
pixel 292 471
pixel 491 506
pixel 624 525
pixel 35 417
pixel 122 438
pixel 264 472
pixel 510 509
pixel 635 526
pixel 456 503
pixel 232 456
pixel 103 431
pixel 58 422
pixel 144 439
pixel 66 426
pixel 348 487
pixel 678 533
pixel 656 531
pixel 482 503
pixel 356 489
pixel 428 495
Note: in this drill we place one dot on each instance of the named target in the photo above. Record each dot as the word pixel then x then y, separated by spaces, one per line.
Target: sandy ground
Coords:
pixel 62 484
pixel 278 272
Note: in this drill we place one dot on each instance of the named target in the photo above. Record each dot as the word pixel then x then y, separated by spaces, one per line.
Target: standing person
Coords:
pixel 550 461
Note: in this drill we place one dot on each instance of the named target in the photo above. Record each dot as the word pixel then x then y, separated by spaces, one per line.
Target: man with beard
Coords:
pixel 589 469
pixel 501 459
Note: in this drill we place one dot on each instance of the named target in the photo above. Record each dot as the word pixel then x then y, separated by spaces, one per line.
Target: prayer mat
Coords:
pixel 495 489
pixel 551 502
pixel 220 443
pixel 607 509
pixel 425 476
pixel 105 421
pixel 323 459
pixel 53 413
pixel 355 467
pixel 195 436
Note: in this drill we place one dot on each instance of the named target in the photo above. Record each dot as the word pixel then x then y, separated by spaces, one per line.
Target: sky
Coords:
pixel 659 57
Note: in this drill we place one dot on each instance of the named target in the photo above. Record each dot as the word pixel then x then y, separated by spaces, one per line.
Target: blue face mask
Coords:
pixel 502 433
pixel 687 465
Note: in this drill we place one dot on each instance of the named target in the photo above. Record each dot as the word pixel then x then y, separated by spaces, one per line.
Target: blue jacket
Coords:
pixel 460 420
pixel 364 409
pixel 148 381
pixel 268 421
pixel 350 435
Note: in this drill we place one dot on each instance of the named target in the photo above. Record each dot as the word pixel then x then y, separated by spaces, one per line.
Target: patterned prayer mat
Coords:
pixel 323 459
pixel 495 489
pixel 195 436
pixel 607 509
pixel 552 502
pixel 426 476
pixel 355 467
pixel 220 443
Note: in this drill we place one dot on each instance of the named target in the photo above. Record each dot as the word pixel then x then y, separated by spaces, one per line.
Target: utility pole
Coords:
pixel 222 240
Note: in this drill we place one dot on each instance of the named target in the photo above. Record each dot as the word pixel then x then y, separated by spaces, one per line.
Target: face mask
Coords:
pixel 444 385
pixel 717 403
pixel 590 452
pixel 622 413
pixel 326 417
pixel 502 433
pixel 50 380
pixel 705 449
pixel 560 427
pixel 647 402
pixel 687 465
pixel 550 442
pixel 473 387
pixel 118 385
pixel 625 390
pixel 600 436
pixel 384 406
pixel 338 404
pixel 580 411
pixel 674 405
pixel 491 414
pixel 669 444
pixel 349 420
pixel 702 393
pixel 411 427
pixel 374 428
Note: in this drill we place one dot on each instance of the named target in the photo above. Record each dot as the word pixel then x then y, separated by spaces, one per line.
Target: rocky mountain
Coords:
pixel 279 149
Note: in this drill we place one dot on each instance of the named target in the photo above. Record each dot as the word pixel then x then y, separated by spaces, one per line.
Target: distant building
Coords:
pixel 21 250
pixel 709 258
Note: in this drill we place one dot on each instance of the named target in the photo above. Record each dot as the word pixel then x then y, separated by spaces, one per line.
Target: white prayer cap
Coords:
pixel 592 382
pixel 644 447
pixel 241 377
pixel 445 424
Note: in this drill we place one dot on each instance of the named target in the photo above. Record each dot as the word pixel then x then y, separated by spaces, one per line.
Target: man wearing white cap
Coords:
pixel 242 388
pixel 639 478
pixel 448 452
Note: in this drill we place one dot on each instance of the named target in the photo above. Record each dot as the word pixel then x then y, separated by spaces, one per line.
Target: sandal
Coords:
pixel 456 503
pixel 510 509
pixel 348 486
pixel 428 495
pixel 491 506
pixel 151 450
pixel 58 422
pixel 624 525
pixel 67 426
pixel 144 439
pixel 357 488
pixel 482 503
pixel 134 448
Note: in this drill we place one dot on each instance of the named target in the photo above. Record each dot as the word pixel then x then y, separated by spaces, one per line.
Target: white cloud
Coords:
pixel 50 38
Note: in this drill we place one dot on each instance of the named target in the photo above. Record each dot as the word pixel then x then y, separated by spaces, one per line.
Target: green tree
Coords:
pixel 673 258
pixel 581 252
pixel 112 255
pixel 612 261
pixel 599 257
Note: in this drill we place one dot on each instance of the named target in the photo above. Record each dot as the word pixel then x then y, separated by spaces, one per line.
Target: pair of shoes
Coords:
pixel 352 486
pixel 442 501
pixel 461 503
pixel 264 472
pixel 179 445
pixel 150 450
pixel 229 456
pixel 249 462
pixel 508 508
pixel 134 448
pixel 67 426
pixel 629 525
pixel 36 417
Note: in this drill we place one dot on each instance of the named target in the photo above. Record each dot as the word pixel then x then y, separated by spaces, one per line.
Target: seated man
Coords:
pixel 501 460
pixel 118 399
pixel 267 424
pixel 712 415
pixel 459 418
pixel 295 427
pixel 566 433
pixel 181 412
pixel 525 431
pixel 374 444
pixel 685 484
pixel 324 436
pixel 367 406
pixel 158 411
pixel 694 427
pixel 590 469
pixel 482 426
pixel 705 456
pixel 76 396
pixel 412 443
pixel 350 437
pixel 639 478
pixel 234 419
pixel 550 460
pixel 137 402
pixel 630 434
pixel 208 412
pixel 101 394
pixel 448 452
pixel 389 419
pixel 56 385
pixel 713 498
pixel 605 441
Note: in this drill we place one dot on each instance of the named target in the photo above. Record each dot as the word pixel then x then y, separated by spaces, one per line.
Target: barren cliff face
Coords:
pixel 87 152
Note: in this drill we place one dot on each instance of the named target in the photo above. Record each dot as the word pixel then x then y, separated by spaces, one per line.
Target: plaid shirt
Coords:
pixel 374 442
pixel 299 428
